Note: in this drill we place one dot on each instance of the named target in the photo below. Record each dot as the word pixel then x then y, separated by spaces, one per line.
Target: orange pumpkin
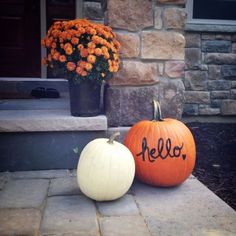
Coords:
pixel 163 149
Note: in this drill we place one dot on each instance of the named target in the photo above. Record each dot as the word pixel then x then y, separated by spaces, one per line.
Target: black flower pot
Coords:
pixel 85 98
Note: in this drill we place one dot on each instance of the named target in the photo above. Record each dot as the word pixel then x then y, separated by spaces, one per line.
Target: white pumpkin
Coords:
pixel 105 169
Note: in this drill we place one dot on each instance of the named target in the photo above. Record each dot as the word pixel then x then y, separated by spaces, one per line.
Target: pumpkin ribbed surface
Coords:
pixel 164 151
pixel 105 170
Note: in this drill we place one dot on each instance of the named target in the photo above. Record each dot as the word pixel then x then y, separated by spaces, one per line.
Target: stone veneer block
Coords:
pixel 93 10
pixel 69 215
pixel 232 95
pixel 48 120
pixel 27 193
pixel 207 110
pixel 124 14
pixel 192 58
pixel 216 46
pixel 197 97
pixel 220 94
pixel 130 44
pixel 220 58
pixel 135 73
pixel 174 69
pixel 128 105
pixel 174 18
pixel 218 85
pixel 190 109
pixel 228 72
pixel 19 221
pixel 162 45
pixel 193 40
pixel 157 18
pixel 228 107
pixel 171 97
pixel 123 226
pixel 195 80
pixel 214 72
pixel 182 2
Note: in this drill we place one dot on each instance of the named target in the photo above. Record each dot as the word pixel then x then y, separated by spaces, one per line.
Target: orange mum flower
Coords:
pixel 80 46
pixel 74 40
pixel 91 59
pixel 69 50
pixel 62 58
pixel 56 56
pixel 70 66
pixel 98 52
pixel 91 45
pixel 84 73
pixel 84 52
pixel 88 66
pixel 90 50
pixel 79 70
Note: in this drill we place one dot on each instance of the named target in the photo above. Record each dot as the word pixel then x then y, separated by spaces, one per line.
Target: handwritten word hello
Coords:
pixel 163 150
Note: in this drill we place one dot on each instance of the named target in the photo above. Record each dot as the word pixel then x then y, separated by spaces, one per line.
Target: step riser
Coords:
pixel 43 150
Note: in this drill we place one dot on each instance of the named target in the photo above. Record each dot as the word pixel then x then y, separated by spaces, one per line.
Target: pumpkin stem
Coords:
pixel 156 111
pixel 113 136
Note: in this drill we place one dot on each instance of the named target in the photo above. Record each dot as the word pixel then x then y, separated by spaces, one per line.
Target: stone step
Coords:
pixel 44 138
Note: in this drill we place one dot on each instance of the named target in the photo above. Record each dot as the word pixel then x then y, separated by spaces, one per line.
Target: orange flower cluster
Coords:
pixel 82 48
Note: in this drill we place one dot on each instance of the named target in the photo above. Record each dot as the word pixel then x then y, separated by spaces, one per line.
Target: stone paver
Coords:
pixel 42 174
pixel 124 206
pixel 24 193
pixel 69 215
pixel 189 209
pixel 64 186
pixel 123 226
pixel 191 203
pixel 19 221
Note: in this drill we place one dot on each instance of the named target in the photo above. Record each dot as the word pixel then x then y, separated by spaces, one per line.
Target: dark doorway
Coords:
pixel 20 38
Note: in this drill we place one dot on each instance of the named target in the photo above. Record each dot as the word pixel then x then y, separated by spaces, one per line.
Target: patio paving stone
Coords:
pixel 19 221
pixel 69 215
pixel 123 226
pixel 28 193
pixel 124 206
pixel 41 174
pixel 64 186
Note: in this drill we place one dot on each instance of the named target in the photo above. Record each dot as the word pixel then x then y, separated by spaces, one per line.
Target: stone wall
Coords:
pixel 196 77
pixel 210 74
pixel 151 36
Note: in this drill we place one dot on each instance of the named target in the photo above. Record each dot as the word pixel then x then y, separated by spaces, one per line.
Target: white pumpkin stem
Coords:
pixel 113 136
pixel 156 111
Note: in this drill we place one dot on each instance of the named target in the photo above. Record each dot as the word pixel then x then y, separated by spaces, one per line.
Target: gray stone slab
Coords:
pixel 123 226
pixel 48 120
pixel 191 204
pixel 124 206
pixel 160 226
pixel 69 215
pixel 24 193
pixel 64 186
pixel 41 174
pixel 19 221
pixel 4 178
